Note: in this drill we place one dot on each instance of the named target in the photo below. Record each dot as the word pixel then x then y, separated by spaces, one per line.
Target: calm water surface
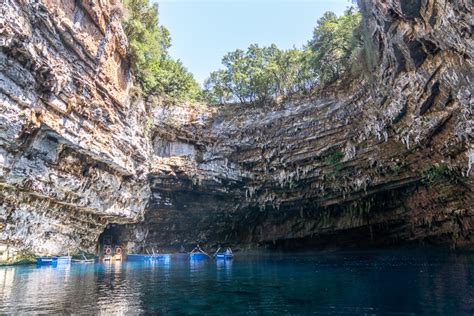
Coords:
pixel 350 283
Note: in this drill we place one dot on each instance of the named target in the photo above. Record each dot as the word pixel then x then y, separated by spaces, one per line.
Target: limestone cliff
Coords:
pixel 72 152
pixel 383 161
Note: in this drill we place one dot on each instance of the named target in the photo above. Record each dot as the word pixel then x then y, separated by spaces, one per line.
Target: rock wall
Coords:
pixel 72 152
pixel 382 162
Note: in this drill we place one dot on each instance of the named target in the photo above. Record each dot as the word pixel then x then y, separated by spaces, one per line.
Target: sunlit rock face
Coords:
pixel 72 152
pixel 383 162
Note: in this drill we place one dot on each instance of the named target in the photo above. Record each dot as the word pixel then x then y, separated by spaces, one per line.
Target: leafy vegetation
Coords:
pixel 259 74
pixel 335 162
pixel 157 73
pixel 335 45
pixel 263 73
pixel 437 173
pixel 23 257
pixel 397 168
pixel 293 184
pixel 255 75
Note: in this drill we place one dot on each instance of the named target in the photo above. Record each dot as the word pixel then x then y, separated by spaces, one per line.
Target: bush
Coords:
pixel 437 173
pixel 334 161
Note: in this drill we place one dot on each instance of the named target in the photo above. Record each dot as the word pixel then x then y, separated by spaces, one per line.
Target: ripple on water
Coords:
pixel 371 282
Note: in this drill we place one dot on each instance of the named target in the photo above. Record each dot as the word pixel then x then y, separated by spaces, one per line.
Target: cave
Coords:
pixel 329 176
pixel 111 236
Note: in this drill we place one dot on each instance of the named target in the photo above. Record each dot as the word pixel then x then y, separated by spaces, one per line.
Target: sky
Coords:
pixel 203 31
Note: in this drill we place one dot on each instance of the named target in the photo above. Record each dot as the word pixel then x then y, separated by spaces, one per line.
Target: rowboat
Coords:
pixel 146 258
pixel 224 256
pixel 53 260
pixel 227 254
pixel 83 260
pixel 198 256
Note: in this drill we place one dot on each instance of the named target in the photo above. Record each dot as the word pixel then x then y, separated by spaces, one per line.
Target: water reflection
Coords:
pixel 198 265
pixel 224 264
pixel 351 283
pixel 224 268
pixel 7 276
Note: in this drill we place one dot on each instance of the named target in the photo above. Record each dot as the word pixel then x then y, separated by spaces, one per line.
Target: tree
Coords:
pixel 217 88
pixel 334 45
pixel 262 73
pixel 155 70
pixel 246 76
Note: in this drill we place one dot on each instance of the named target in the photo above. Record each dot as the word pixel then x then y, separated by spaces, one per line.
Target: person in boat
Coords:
pixel 228 251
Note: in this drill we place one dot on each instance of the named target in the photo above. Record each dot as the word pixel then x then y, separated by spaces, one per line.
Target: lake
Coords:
pixel 393 282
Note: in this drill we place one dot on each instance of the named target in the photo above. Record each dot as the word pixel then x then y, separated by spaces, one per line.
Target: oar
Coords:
pixel 204 252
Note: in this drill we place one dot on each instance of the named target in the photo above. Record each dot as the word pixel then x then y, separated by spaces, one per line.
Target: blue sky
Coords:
pixel 203 31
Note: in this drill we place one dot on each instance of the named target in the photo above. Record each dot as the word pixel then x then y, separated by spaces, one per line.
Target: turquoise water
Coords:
pixel 340 283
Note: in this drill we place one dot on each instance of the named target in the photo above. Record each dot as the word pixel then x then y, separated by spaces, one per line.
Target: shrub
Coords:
pixel 437 173
pixel 334 161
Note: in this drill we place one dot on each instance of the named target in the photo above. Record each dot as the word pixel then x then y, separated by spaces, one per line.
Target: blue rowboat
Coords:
pixel 224 256
pixel 198 256
pixel 146 258
pixel 50 261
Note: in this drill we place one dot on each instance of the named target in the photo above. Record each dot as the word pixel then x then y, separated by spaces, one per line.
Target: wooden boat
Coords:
pixel 198 256
pixel 83 260
pixel 224 256
pixel 228 254
pixel 53 260
pixel 134 257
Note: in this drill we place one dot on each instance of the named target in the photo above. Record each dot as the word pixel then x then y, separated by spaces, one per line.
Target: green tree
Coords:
pixel 175 81
pixel 262 73
pixel 217 88
pixel 155 70
pixel 335 46
pixel 246 76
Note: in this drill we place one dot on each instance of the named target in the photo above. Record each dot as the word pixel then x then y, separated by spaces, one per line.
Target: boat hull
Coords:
pixel 223 256
pixel 147 258
pixel 83 260
pixel 50 261
pixel 198 256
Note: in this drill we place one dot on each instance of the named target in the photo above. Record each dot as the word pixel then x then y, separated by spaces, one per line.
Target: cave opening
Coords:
pixel 111 238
